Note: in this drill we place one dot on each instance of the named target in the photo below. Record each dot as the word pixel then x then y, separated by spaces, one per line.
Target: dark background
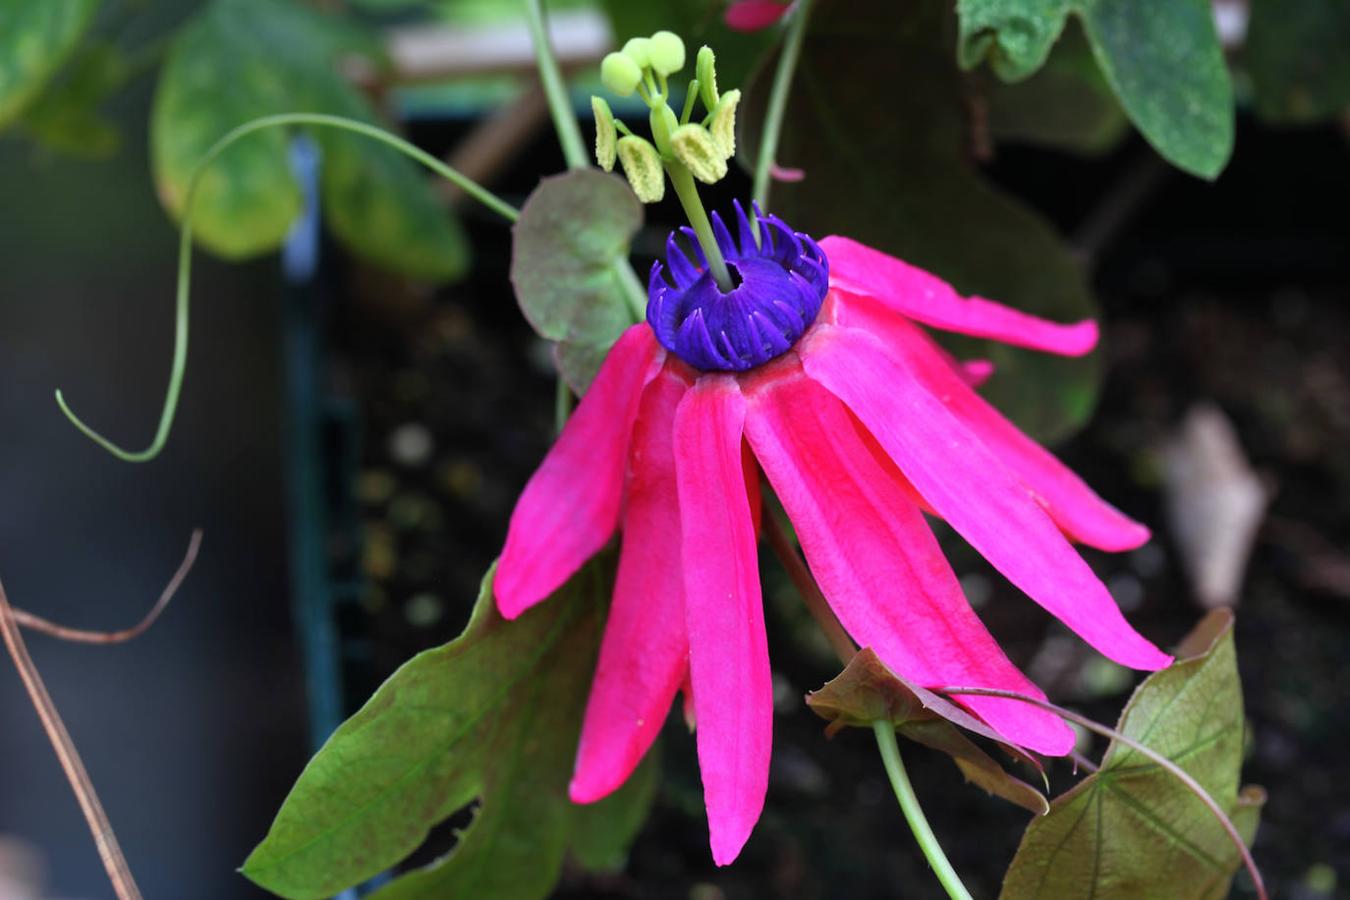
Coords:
pixel 1233 292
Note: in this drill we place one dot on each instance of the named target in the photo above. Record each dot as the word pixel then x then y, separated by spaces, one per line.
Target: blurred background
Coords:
pixel 360 412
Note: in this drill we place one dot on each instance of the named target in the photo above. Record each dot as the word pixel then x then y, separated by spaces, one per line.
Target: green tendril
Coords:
pixel 179 365
pixel 778 97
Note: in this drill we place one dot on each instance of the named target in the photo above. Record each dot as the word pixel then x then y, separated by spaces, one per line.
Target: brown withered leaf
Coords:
pixel 867 691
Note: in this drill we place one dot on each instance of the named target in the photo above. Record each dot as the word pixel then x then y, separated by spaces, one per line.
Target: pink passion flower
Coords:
pixel 813 369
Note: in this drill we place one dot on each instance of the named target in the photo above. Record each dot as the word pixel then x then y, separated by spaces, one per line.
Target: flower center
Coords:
pixel 779 283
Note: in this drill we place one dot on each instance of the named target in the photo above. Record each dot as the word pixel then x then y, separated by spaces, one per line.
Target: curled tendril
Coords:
pixel 180 345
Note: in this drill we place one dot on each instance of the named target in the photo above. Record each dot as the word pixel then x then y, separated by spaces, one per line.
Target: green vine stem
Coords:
pixel 180 346
pixel 844 647
pixel 574 151
pixel 1166 764
pixel 778 97
pixel 909 803
pixel 562 404
pixel 559 107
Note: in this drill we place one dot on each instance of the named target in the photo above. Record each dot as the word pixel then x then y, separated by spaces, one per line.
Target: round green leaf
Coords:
pixel 566 252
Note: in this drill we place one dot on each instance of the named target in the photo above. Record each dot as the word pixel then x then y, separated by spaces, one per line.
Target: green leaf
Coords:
pixel 35 40
pixel 1163 60
pixel 1014 35
pixel 1133 830
pixel 494 715
pixel 66 118
pixel 1166 65
pixel 891 167
pixel 867 691
pixel 1066 104
pixel 378 204
pixel 241 59
pixel 1298 56
pixel 572 235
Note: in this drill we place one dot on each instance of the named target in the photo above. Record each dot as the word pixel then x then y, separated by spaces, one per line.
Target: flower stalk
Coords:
pixel 909 804
pixel 885 731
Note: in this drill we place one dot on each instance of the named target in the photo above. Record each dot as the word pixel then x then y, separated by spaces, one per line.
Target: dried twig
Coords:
pixel 119 873
pixel 83 636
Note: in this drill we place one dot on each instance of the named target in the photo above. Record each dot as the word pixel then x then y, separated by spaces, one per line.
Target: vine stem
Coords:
pixel 1170 767
pixel 778 97
pixel 180 344
pixel 105 839
pixel 559 107
pixel 909 804
pixel 562 404
pixel 574 151
pixel 843 645
pixel 84 636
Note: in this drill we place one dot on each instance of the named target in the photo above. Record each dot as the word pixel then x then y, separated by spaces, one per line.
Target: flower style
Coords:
pixel 814 369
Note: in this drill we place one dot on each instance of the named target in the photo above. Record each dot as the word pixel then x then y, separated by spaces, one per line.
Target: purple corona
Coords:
pixel 782 279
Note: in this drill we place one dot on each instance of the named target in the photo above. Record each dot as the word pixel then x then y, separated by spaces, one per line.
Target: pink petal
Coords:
pixel 570 506
pixel 687 690
pixel 1076 509
pixel 910 291
pixel 970 488
pixel 752 15
pixel 644 656
pixel 728 650
pixel 976 372
pixel 878 563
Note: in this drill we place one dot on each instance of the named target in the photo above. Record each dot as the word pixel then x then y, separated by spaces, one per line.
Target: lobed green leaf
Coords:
pixel 1163 61
pixel 494 715
pixel 1014 35
pixel 1131 829
pixel 1165 64
pixel 1066 104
